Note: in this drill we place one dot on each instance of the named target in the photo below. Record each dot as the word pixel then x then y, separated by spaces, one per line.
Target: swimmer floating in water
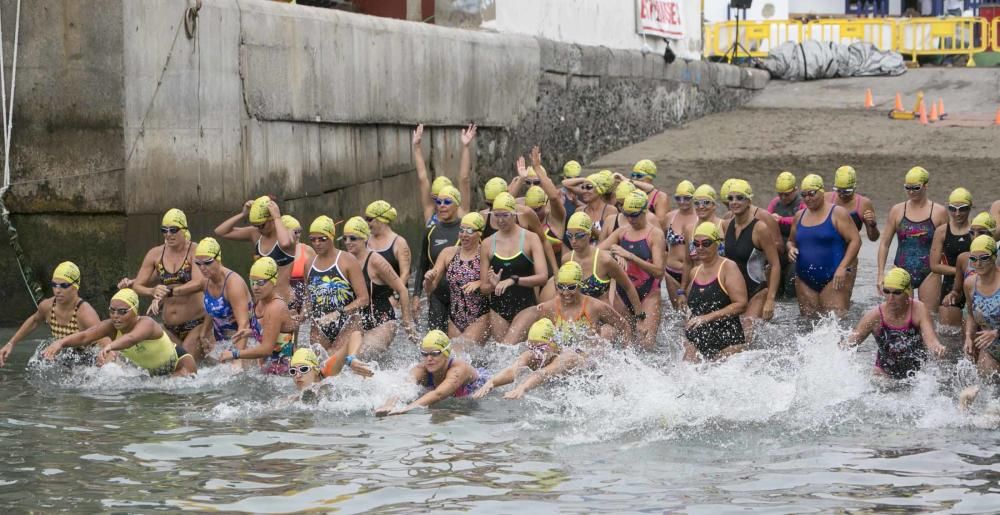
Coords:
pixel 902 327
pixel 138 338
pixel 441 373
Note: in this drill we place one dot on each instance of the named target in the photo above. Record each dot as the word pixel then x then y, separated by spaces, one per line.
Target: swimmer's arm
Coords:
pixel 195 285
pixel 228 230
pixel 145 329
pixel 440 268
pixel 423 180
pixel 145 274
pixel 452 382
pixel 971 326
pixel 617 273
pixel 389 277
pixel 30 324
pixel 927 332
pixel 352 270
pixel 275 314
pixel 737 288
pixel 575 185
pixel 995 211
pixel 541 275
pixel 937 266
pixel 764 235
pixel 529 220
pixel 776 240
pixel 283 236
pixel 103 330
pixel 791 246
pixel 886 240
pixel 864 328
pixel 557 211
pixel 607 315
pixel 560 365
pixel 845 227
pixel 870 229
pixel 958 288
pixel 465 163
pixel 239 298
pixel 612 239
pixel 662 206
pixel 487 278
pixel 607 226
pixel 402 252
pixel 88 318
pixel 507 375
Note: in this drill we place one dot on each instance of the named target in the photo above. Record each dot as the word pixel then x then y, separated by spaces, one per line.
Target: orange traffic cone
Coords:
pixel 997 119
pixel 899 104
pixel 941 108
pixel 923 113
pixel 869 102
pixel 934 112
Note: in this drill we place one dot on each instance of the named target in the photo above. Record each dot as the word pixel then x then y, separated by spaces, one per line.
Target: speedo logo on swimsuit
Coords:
pixel 440 242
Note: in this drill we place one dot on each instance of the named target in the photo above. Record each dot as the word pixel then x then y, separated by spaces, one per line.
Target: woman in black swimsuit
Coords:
pixel 270 237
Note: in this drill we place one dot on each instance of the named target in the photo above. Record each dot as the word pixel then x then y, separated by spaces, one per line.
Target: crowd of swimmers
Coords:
pixel 567 267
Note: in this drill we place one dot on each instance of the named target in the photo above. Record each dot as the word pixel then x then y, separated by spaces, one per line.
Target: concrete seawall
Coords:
pixel 122 112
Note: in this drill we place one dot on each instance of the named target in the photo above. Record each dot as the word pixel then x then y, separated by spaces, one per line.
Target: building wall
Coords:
pixel 312 105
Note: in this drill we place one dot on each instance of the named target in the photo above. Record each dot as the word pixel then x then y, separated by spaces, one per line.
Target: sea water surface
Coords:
pixel 797 425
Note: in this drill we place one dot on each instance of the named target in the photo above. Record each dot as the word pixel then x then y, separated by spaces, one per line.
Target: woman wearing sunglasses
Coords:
pixel 950 241
pixel 590 191
pixel 783 208
pixel 440 373
pixel 823 244
pixel 717 296
pixel 437 238
pixel 544 199
pixel 544 357
pixel 266 232
pixel 65 312
pixel 640 245
pixel 643 173
pixel 429 191
pixel 577 316
pixel 705 204
pixel 750 244
pixel 337 293
pixel 226 299
pixel 167 275
pixel 680 224
pixel 524 216
pixel 858 206
pixel 140 339
pixel 459 266
pixel 512 265
pixel 982 224
pixel 303 255
pixel 378 318
pixel 617 220
pixel 902 327
pixel 392 247
pixel 913 224
pixel 982 326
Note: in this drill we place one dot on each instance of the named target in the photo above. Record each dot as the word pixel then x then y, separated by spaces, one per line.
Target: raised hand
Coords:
pixel 468 134
pixel 536 157
pixel 418 134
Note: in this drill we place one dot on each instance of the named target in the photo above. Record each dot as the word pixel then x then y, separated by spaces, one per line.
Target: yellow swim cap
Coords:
pixel 960 196
pixel 265 268
pixel 983 243
pixel 176 218
pixel 685 188
pixel 623 189
pixel 635 202
pixel 917 175
pixel 129 297
pixel 258 211
pixel 437 340
pixel 708 230
pixel 740 187
pixel 304 356
pixel 897 279
pixel 845 178
pixel 785 182
pixel 208 247
pixel 580 221
pixel 542 331
pixel 291 223
pixel 451 192
pixel 474 220
pixel 645 167
pixel 705 192
pixel 494 187
pixel 535 197
pixel 570 273
pixel 985 220
pixel 505 202
pixel 571 169
pixel 382 211
pixel 357 226
pixel 602 181
pixel 530 172
pixel 724 190
pixel 439 184
pixel 323 225
pixel 812 182
pixel 69 272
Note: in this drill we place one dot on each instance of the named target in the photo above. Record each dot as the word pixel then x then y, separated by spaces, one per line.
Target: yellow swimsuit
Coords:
pixel 158 357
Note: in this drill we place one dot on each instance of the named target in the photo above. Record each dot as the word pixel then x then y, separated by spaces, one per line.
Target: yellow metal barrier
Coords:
pixel 942 36
pixel 880 32
pixel 995 34
pixel 756 37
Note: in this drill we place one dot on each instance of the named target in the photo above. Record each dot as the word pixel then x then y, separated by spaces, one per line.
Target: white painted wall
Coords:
pixel 609 23
pixel 715 10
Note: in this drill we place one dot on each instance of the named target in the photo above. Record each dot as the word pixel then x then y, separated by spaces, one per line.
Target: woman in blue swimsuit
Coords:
pixel 226 299
pixel 443 375
pixel 982 326
pixel 823 244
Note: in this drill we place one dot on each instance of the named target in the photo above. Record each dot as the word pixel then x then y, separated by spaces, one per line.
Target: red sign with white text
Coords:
pixel 660 18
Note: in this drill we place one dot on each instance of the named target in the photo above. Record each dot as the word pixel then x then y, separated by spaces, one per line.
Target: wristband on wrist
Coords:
pixel 236 353
pixel 681 292
pixel 349 359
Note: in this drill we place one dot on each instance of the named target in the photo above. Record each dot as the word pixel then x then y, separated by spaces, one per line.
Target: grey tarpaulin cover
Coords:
pixel 812 60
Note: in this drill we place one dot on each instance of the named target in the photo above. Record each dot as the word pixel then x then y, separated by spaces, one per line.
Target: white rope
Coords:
pixel 9 126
